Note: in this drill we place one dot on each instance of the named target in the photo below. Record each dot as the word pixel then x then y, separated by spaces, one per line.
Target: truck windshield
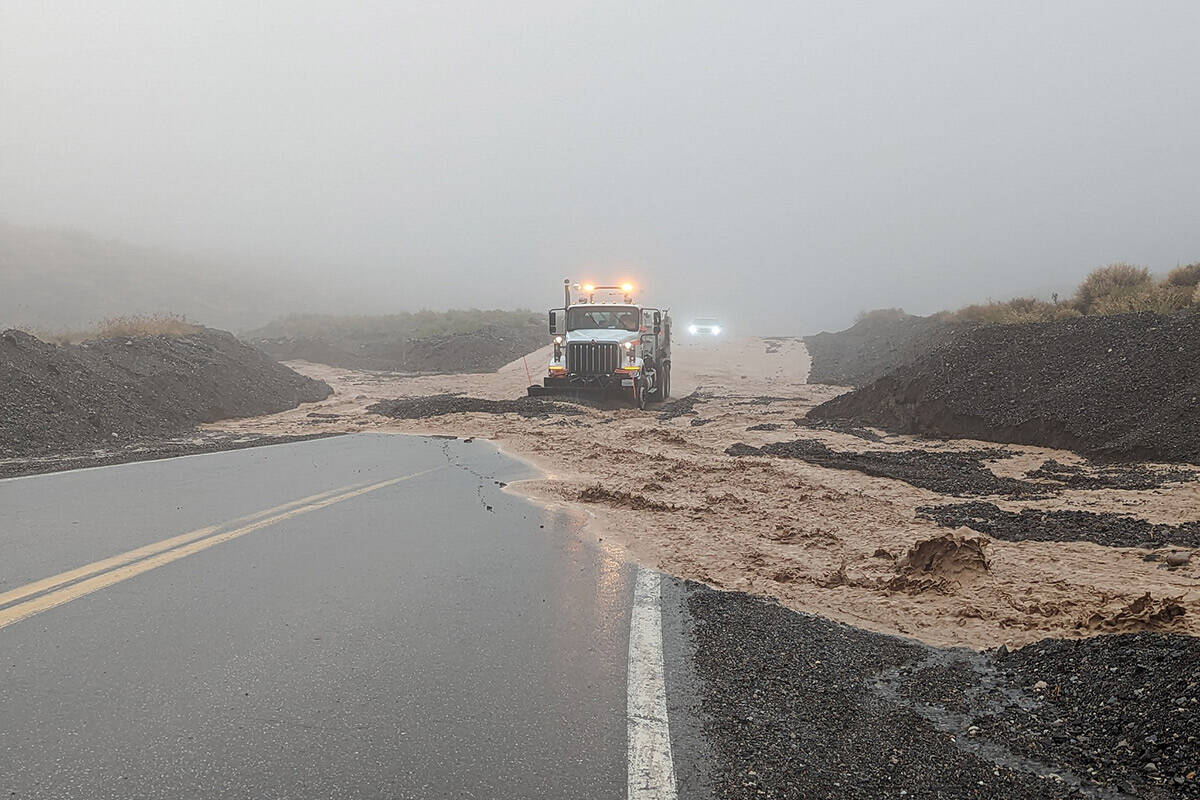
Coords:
pixel 603 317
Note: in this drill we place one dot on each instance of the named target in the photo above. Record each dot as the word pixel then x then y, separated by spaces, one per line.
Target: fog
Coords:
pixel 783 165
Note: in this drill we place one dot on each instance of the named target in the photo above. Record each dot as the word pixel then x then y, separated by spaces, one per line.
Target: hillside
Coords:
pixel 463 340
pixel 53 280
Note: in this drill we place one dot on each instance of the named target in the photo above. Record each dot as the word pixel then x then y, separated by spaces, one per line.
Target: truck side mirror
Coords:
pixel 657 321
pixel 557 320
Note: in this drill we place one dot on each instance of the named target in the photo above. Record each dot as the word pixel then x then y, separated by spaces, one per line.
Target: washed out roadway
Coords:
pixel 394 625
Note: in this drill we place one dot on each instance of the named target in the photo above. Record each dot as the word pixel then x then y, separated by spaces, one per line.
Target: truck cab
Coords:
pixel 605 343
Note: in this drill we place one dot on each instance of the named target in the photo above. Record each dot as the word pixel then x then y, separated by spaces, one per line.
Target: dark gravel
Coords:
pixel 875 346
pixel 1036 525
pixel 793 707
pixel 681 406
pixel 960 473
pixel 838 426
pixel 1122 387
pixel 441 404
pixel 1120 711
pixel 1133 477
pixel 114 392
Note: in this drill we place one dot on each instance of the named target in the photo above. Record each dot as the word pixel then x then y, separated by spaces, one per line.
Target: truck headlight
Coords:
pixel 716 330
pixel 692 329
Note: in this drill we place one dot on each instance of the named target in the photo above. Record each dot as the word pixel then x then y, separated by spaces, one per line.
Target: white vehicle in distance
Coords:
pixel 705 326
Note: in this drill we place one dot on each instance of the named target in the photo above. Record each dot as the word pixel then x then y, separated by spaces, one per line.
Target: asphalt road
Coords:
pixel 390 624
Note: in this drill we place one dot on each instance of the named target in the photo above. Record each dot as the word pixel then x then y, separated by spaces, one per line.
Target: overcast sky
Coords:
pixel 783 164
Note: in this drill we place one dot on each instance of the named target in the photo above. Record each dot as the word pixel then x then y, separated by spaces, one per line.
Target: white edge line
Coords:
pixel 651 769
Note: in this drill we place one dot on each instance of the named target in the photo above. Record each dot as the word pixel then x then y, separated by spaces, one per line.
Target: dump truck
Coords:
pixel 605 344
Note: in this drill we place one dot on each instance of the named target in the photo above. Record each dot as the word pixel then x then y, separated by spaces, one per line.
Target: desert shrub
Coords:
pixel 128 327
pixel 1161 299
pixel 1196 296
pixel 1011 312
pixel 1185 276
pixel 1114 279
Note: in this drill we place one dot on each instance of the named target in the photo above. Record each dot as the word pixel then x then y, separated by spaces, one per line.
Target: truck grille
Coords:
pixel 593 358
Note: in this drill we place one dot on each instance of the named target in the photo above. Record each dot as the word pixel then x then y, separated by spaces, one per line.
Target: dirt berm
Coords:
pixel 1111 387
pixel 116 391
pixel 876 345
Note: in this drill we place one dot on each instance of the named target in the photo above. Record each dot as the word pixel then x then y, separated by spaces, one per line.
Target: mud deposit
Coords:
pixel 797 706
pixel 115 392
pixel 960 473
pixel 836 542
pixel 441 404
pixel 630 500
pixel 1114 387
pixel 1038 525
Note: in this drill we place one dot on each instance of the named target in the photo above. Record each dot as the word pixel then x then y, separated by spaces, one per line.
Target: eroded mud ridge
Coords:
pixel 958 473
pixel 1038 525
pixel 441 404
pixel 1113 387
pixel 631 500
pixel 114 392
pixel 798 706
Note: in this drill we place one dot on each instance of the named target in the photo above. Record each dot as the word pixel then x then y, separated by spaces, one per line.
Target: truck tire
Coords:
pixel 641 394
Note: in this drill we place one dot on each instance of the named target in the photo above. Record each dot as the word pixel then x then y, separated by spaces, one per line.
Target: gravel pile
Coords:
pixel 1121 712
pixel 791 707
pixel 1123 708
pixel 1036 525
pixel 1122 387
pixel 959 473
pixel 438 405
pixel 874 347
pixel 114 392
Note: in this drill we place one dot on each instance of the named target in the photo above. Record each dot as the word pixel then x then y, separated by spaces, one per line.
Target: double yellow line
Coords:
pixel 23 602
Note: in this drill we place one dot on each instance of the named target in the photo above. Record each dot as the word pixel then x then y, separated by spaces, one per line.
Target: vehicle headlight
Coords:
pixel 716 329
pixel 692 329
